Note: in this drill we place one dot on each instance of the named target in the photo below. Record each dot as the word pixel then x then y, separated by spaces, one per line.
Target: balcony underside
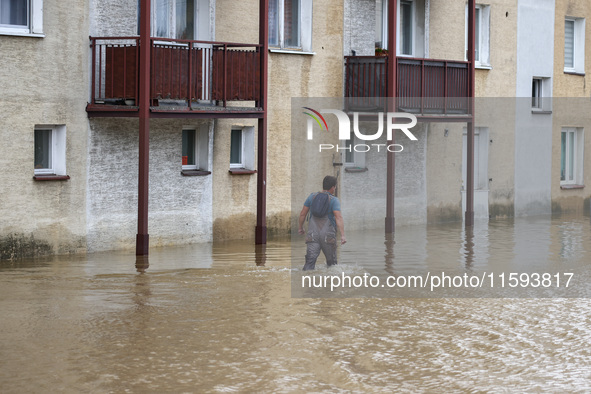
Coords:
pixel 195 111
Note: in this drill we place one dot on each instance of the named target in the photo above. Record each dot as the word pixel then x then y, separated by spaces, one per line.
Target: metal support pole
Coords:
pixel 142 238
pixel 261 226
pixel 391 100
pixel 469 214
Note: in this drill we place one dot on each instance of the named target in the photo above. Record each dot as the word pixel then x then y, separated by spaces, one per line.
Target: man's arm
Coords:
pixel 340 225
pixel 302 219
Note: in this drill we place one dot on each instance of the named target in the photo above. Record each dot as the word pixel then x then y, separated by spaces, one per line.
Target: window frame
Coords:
pixel 577 136
pixel 246 148
pixel 34 27
pixel 482 33
pixel 58 150
pixel 200 148
pixel 400 37
pixel 578 66
pixel 541 102
pixel 305 29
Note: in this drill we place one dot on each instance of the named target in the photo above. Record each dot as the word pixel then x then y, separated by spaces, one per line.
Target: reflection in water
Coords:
pixel 220 318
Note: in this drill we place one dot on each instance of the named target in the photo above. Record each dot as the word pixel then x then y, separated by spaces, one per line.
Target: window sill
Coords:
pixel 355 169
pixel 51 177
pixel 570 72
pixel 540 112
pixel 241 171
pixel 291 51
pixel 35 35
pixel 570 187
pixel 483 67
pixel 195 173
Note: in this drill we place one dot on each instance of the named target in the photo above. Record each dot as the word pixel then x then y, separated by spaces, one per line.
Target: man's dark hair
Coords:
pixel 328 182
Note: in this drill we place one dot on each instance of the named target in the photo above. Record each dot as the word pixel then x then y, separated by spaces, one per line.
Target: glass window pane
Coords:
pixel 569 44
pixel 349 154
pixel 406 27
pixel 236 147
pixel 563 156
pixel 188 147
pixel 185 15
pixel 291 23
pixel 14 12
pixel 571 156
pixel 43 149
pixel 273 22
pixel 477 34
pixel 161 18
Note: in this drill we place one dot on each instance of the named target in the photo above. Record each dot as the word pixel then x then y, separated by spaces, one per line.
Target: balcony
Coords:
pixel 188 78
pixel 426 87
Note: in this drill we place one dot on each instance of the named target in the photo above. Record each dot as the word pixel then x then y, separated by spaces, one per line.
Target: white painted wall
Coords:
pixel 533 131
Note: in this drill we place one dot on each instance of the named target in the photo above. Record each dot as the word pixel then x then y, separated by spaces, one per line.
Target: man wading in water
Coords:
pixel 325 218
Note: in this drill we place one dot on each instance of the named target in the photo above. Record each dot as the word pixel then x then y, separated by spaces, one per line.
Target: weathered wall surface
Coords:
pixel 533 130
pixel 290 75
pixel 44 82
pixel 180 207
pixel 570 108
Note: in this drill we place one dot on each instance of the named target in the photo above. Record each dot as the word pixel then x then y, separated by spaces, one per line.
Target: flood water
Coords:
pixel 223 318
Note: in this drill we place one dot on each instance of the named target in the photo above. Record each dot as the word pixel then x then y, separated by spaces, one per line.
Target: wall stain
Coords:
pixel 20 246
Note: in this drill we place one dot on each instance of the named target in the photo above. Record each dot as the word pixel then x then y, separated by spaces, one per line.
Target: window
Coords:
pixel 481 36
pixel 540 94
pixel 50 150
pixel 571 156
pixel 574 45
pixel 536 93
pixel 406 28
pixel 290 24
pixel 195 147
pixel 242 148
pixel 173 19
pixel 353 154
pixel 21 17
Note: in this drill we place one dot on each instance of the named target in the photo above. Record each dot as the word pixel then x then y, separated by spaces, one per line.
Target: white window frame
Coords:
pixel 247 148
pixel 577 155
pixel 541 101
pixel 578 66
pixel 482 44
pixel 58 150
pixel 305 25
pixel 34 27
pixel 171 33
pixel 200 149
pixel 356 157
pixel 399 29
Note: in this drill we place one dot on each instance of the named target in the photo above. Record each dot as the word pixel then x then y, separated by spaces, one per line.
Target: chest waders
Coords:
pixel 321 236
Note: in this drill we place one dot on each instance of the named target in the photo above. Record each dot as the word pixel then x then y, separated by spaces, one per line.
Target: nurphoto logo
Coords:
pixel 344 121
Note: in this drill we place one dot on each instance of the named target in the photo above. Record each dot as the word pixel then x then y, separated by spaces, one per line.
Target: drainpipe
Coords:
pixel 142 238
pixel 391 99
pixel 469 215
pixel 261 226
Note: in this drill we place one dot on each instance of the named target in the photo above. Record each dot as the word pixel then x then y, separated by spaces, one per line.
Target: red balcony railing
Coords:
pixel 185 70
pixel 424 86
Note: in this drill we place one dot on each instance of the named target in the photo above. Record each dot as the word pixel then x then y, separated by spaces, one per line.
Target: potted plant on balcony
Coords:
pixel 381 52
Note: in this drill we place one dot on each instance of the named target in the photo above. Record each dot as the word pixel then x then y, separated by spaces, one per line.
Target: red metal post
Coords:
pixel 469 215
pixel 261 227
pixel 142 238
pixel 391 91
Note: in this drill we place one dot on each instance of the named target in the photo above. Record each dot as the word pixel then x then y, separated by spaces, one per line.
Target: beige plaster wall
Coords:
pixel 569 85
pixel 44 82
pixel 570 108
pixel 290 75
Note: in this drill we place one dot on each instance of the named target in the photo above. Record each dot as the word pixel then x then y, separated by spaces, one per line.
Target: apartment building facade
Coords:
pixel 221 128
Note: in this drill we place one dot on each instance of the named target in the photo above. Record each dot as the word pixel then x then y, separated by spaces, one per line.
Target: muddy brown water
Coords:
pixel 222 318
